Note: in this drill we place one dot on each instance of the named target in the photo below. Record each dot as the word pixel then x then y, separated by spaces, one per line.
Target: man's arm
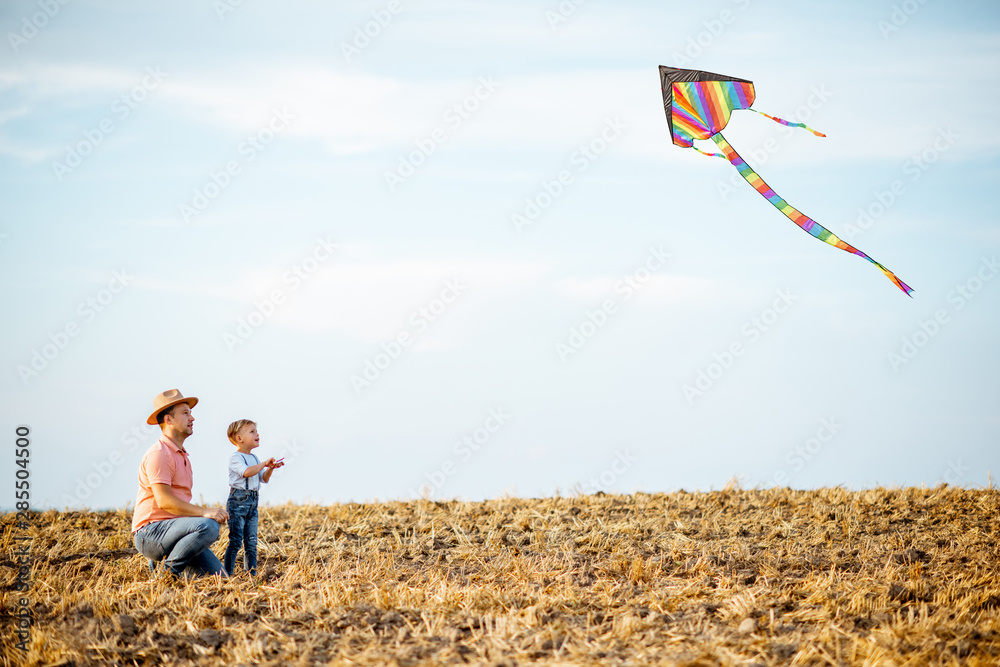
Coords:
pixel 167 501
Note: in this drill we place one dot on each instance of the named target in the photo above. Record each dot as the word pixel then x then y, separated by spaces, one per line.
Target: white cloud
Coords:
pixel 348 113
pixel 42 80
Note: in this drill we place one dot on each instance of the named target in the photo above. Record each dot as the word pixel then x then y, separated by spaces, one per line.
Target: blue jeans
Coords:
pixel 242 508
pixel 180 544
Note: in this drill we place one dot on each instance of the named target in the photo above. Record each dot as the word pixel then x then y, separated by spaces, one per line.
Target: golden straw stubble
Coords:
pixel 732 577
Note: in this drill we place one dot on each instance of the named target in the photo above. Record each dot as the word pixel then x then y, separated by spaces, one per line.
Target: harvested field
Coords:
pixel 733 577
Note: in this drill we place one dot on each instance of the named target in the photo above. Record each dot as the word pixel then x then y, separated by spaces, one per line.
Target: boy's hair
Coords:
pixel 236 427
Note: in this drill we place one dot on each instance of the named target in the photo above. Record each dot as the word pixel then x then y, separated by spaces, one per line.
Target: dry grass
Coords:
pixel 734 577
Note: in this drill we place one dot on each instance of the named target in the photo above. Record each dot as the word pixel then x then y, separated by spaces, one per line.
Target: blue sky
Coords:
pixel 448 248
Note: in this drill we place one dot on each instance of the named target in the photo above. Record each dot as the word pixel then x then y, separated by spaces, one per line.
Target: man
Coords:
pixel 165 525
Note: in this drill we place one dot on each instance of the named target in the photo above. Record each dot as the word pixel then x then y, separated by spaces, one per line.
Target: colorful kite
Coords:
pixel 698 105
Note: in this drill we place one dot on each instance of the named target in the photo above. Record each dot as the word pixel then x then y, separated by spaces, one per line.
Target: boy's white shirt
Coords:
pixel 238 463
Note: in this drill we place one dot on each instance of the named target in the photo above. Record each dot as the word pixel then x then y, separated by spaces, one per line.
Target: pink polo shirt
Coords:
pixel 163 463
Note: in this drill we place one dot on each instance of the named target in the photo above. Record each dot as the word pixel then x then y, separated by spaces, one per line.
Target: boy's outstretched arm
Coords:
pixel 254 469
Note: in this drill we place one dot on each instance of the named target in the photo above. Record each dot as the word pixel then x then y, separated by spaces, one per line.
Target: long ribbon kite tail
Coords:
pixel 793 214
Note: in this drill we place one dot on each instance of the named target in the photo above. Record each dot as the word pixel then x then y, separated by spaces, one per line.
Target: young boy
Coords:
pixel 246 473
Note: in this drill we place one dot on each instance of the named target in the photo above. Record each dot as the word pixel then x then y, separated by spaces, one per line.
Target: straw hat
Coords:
pixel 167 399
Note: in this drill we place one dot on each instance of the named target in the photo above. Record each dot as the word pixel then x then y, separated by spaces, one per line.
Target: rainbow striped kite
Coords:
pixel 698 105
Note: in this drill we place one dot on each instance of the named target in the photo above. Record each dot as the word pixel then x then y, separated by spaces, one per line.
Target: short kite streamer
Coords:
pixel 698 106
